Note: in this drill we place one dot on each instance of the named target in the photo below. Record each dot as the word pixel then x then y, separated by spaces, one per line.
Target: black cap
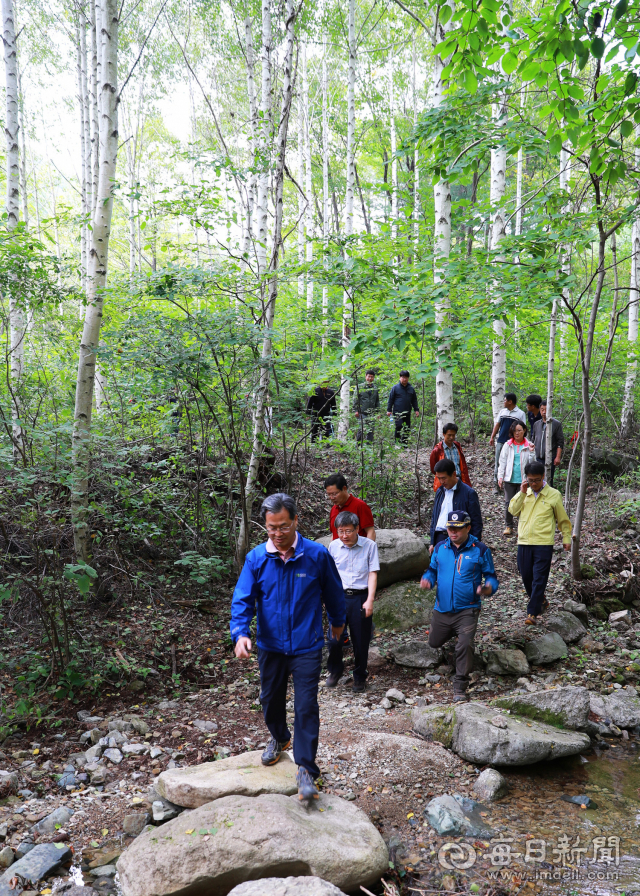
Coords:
pixel 457 519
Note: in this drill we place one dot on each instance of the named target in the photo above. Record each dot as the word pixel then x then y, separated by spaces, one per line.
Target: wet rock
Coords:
pixel 417 655
pixel 49 825
pixel 403 607
pixel 507 662
pixel 287 886
pixel 244 775
pixel 135 823
pixel 579 610
pixel 490 785
pixel 582 800
pixel 446 815
pixel 113 755
pixel 395 695
pixel 236 838
pixel 546 649
pixel 567 707
pixel 6 857
pixel 71 889
pixel 104 871
pixel 38 863
pixel 9 783
pixel 566 625
pixel 619 707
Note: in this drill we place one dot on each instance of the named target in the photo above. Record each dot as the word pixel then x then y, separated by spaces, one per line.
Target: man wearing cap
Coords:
pixel 458 566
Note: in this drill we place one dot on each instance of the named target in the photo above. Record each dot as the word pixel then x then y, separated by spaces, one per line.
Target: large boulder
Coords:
pixel 417 655
pixel 546 649
pixel 210 850
pixel 566 625
pixel 402 607
pixel 566 707
pixel 287 886
pixel 612 462
pixel 479 734
pixel 403 555
pixel 244 775
pixel 502 661
pixel 623 709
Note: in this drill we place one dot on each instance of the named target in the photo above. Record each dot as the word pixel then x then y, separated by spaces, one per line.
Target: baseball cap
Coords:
pixel 457 519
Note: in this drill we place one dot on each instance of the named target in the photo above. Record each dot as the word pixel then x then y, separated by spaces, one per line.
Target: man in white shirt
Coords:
pixel 509 414
pixel 357 561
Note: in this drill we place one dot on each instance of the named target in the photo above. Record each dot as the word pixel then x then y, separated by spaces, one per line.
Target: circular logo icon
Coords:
pixel 458 856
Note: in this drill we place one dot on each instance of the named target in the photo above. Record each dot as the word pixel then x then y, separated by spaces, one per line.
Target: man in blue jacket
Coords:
pixel 458 566
pixel 453 494
pixel 285 582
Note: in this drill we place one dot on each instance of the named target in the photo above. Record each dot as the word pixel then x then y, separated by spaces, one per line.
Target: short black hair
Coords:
pixel 534 468
pixel 535 400
pixel 445 466
pixel 372 372
pixel 515 423
pixel 511 396
pixel 543 402
pixel 346 518
pixel 276 503
pixel 404 373
pixel 449 426
pixel 336 479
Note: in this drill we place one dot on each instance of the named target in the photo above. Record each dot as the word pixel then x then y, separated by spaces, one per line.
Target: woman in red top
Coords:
pixel 452 450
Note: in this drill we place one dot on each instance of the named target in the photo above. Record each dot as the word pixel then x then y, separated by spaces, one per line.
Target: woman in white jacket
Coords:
pixel 514 457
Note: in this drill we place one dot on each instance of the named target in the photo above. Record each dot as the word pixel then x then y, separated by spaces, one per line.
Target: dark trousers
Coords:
pixel 541 460
pixel 511 489
pixel 403 427
pixel 534 564
pixel 360 633
pixel 439 536
pixel 365 430
pixel 463 626
pixel 275 669
pixel 321 426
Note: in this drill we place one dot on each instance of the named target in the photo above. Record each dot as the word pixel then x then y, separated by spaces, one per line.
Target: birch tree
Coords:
pixel 632 331
pixel 394 161
pixel 262 210
pixel 326 211
pixel 96 273
pixel 498 186
pixel 307 177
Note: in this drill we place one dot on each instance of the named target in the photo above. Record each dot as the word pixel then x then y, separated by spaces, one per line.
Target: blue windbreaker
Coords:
pixel 288 598
pixel 458 573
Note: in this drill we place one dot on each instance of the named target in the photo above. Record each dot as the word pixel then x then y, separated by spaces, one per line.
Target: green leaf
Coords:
pixel 630 83
pixel 626 129
pixel 597 47
pixel 509 63
pixel 470 82
pixel 555 144
pixel 621 9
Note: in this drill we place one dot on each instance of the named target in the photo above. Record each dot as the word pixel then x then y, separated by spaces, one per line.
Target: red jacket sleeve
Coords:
pixel 464 470
pixel 435 457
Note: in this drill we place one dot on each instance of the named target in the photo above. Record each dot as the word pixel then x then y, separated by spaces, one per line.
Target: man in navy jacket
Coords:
pixel 453 494
pixel 402 400
pixel 284 583
pixel 458 566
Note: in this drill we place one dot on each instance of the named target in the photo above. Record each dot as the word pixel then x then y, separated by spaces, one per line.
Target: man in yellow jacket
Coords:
pixel 540 508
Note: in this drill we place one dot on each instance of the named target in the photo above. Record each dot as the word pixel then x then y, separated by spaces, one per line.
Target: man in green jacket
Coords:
pixel 540 509
pixel 367 402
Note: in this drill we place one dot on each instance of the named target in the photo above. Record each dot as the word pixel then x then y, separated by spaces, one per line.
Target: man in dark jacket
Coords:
pixel 539 435
pixel 458 566
pixel 285 583
pixel 453 494
pixel 366 403
pixel 402 399
pixel 322 406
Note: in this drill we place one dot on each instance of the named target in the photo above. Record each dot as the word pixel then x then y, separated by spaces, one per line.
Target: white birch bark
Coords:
pixel 442 250
pixel 17 324
pixel 498 224
pixel 94 91
pixel 394 160
pixel 347 305
pixel 518 220
pixel 565 172
pixel 253 116
pixel 261 408
pixel 84 149
pixel 632 332
pixel 307 178
pixel 301 202
pixel 265 128
pixel 416 159
pixel 96 276
pixel 551 365
pixel 326 210
pixel 22 133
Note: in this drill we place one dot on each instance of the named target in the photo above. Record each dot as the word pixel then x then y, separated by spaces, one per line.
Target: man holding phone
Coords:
pixel 358 564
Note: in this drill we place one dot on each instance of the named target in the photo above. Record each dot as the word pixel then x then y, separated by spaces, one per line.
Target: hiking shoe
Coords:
pixel 332 680
pixel 273 751
pixel 461 697
pixel 359 687
pixel 545 606
pixel 508 531
pixel 530 620
pixel 307 790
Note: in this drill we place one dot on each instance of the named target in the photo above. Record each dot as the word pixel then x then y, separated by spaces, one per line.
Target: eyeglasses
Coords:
pixel 273 530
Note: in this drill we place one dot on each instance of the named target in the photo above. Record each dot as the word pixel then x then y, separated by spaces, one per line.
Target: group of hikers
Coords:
pixel 288 580
pixel 401 403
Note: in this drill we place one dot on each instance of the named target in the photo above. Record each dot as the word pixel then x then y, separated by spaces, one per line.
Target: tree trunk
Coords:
pixel 548 456
pixel 96 276
pixel 301 202
pixel 261 395
pixel 253 117
pixel 394 160
pixel 441 251
pixel 632 333
pixel 416 158
pixel 347 305
pixel 326 208
pixel 497 193
pixel 308 187
pixel 265 132
pixel 565 171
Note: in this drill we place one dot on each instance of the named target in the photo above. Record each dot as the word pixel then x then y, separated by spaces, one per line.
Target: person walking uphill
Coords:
pixel 453 495
pixel 515 455
pixel 285 582
pixel 540 508
pixel 509 415
pixel 402 399
pixel 365 405
pixel 458 566
pixel 539 436
pixel 322 407
pixel 452 450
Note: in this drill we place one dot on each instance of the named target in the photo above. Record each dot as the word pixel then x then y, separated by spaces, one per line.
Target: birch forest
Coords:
pixel 215 207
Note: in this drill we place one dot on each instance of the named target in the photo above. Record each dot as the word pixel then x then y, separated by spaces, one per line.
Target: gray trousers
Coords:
pixel 498 450
pixel 463 626
pixel 511 489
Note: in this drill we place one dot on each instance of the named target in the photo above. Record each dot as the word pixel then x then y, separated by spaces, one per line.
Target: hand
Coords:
pixel 524 487
pixel 486 590
pixel 567 547
pixel 388 413
pixel 557 461
pixel 500 481
pixel 417 413
pixel 431 549
pixel 425 583
pixel 243 648
pixel 368 607
pixel 357 414
pixel 491 441
pixel 336 631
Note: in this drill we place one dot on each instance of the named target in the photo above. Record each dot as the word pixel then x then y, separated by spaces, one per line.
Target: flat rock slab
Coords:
pixel 567 707
pixel 210 850
pixel 38 863
pixel 476 733
pixel 417 655
pixel 243 775
pixel 620 708
pixel 287 886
